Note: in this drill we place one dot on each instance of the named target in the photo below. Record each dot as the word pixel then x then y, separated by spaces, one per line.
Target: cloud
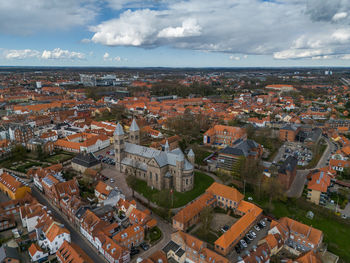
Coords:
pixel 294 28
pixel 106 56
pixel 21 54
pixel 339 16
pixel 234 58
pixel 58 53
pixel 118 59
pixel 23 17
pixel 189 28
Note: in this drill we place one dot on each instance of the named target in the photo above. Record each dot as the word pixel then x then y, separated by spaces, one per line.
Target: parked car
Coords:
pixel 244 244
pixel 263 223
pixel 257 228
pixel 238 249
pixel 112 180
pixel 252 233
pixel 144 246
pixel 225 228
pixel 134 251
pixel 246 239
pixel 249 237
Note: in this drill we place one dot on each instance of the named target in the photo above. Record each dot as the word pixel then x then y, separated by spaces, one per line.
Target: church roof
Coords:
pixel 134 126
pixel 119 130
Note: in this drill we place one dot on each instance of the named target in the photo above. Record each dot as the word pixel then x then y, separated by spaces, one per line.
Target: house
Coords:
pixel 287 172
pixel 51 234
pixel 30 213
pixel 226 197
pixel 102 191
pixel 297 236
pixel 222 135
pixel 126 206
pixel 12 187
pixel 83 142
pixel 7 222
pixel 70 205
pixel 190 214
pixel 90 224
pixel 112 251
pixel 318 186
pixel 288 132
pixel 9 254
pixel 70 252
pixel 83 161
pixel 37 254
pixel 21 133
pixel 186 248
pixel 131 236
pixel 228 156
pixel 156 257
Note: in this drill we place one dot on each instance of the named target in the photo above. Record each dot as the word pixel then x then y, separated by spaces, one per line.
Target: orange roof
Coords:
pixel 54 231
pixel 33 249
pixel 10 182
pixel 103 188
pixel 70 252
pixel 320 181
pixel 194 208
pixel 225 191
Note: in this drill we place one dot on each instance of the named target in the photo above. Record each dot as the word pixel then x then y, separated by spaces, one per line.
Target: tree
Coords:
pixel 206 217
pixel 18 152
pixel 273 189
pixel 132 182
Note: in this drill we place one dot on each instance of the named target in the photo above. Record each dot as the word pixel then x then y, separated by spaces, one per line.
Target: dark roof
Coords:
pixel 288 165
pixel 102 210
pixel 289 127
pixel 241 148
pixel 85 159
pixel 8 252
pixel 81 211
pixel 172 246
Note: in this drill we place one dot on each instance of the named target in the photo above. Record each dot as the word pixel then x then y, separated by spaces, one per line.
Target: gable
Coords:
pixel 153 163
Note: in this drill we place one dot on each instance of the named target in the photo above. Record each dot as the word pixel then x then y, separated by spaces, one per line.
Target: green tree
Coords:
pixel 18 153
pixel 132 182
pixel 206 217
pixel 272 188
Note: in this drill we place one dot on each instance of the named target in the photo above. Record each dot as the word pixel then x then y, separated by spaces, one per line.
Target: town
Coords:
pixel 161 165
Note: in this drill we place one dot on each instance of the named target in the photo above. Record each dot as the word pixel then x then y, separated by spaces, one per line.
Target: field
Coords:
pixel 201 183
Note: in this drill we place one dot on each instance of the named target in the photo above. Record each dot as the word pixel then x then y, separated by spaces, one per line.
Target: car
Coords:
pixel 260 225
pixel 225 228
pixel 243 243
pixel 134 251
pixel 249 237
pixel 246 240
pixel 343 216
pixel 112 180
pixel 144 246
pixel 263 223
pixel 252 233
pixel 238 249
pixel 108 152
pixel 257 228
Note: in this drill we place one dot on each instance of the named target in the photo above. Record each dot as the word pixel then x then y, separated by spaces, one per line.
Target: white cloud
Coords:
pixel 339 16
pixel 294 28
pixel 21 54
pixel 22 17
pixel 234 58
pixel 106 56
pixel 118 59
pixel 58 53
pixel 189 28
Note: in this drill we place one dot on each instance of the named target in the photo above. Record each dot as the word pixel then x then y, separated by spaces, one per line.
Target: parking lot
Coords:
pixel 298 150
pixel 235 256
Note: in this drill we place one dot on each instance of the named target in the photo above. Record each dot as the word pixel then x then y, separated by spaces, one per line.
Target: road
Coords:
pixel 76 236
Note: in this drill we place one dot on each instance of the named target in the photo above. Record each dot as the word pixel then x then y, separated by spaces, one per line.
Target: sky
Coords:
pixel 175 33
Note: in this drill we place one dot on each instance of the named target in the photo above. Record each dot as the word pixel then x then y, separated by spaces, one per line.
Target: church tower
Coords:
pixel 119 146
pixel 134 133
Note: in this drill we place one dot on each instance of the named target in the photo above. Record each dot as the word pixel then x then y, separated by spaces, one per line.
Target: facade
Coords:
pixel 160 169
pixel 242 149
pixel 221 135
pixel 13 188
pixel 287 172
pixel 21 133
pixel 131 236
pixel 83 161
pixel 37 254
pixel 288 133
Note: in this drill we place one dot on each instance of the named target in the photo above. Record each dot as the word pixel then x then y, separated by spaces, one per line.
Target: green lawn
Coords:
pixel 201 183
pixel 58 158
pixel 336 230
pixel 209 237
pixel 154 234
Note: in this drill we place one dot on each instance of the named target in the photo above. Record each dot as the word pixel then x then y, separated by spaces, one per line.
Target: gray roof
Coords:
pixel 8 252
pixel 134 163
pixel 162 158
pixel 85 159
pixel 172 246
pixel 288 165
pixel 289 127
pixel 119 130
pixel 241 148
pixel 190 153
pixel 134 126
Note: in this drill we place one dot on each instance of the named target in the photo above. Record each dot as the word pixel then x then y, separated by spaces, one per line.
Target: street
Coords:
pixel 76 237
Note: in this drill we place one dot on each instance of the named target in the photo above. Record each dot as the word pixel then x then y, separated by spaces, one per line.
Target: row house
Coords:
pixel 12 187
pixel 131 236
pixel 90 224
pixel 70 252
pixel 38 174
pixel 30 213
pixel 7 222
pixel 21 133
pixel 70 206
pixel 113 252
pixel 56 190
pixel 51 234
pixel 12 207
